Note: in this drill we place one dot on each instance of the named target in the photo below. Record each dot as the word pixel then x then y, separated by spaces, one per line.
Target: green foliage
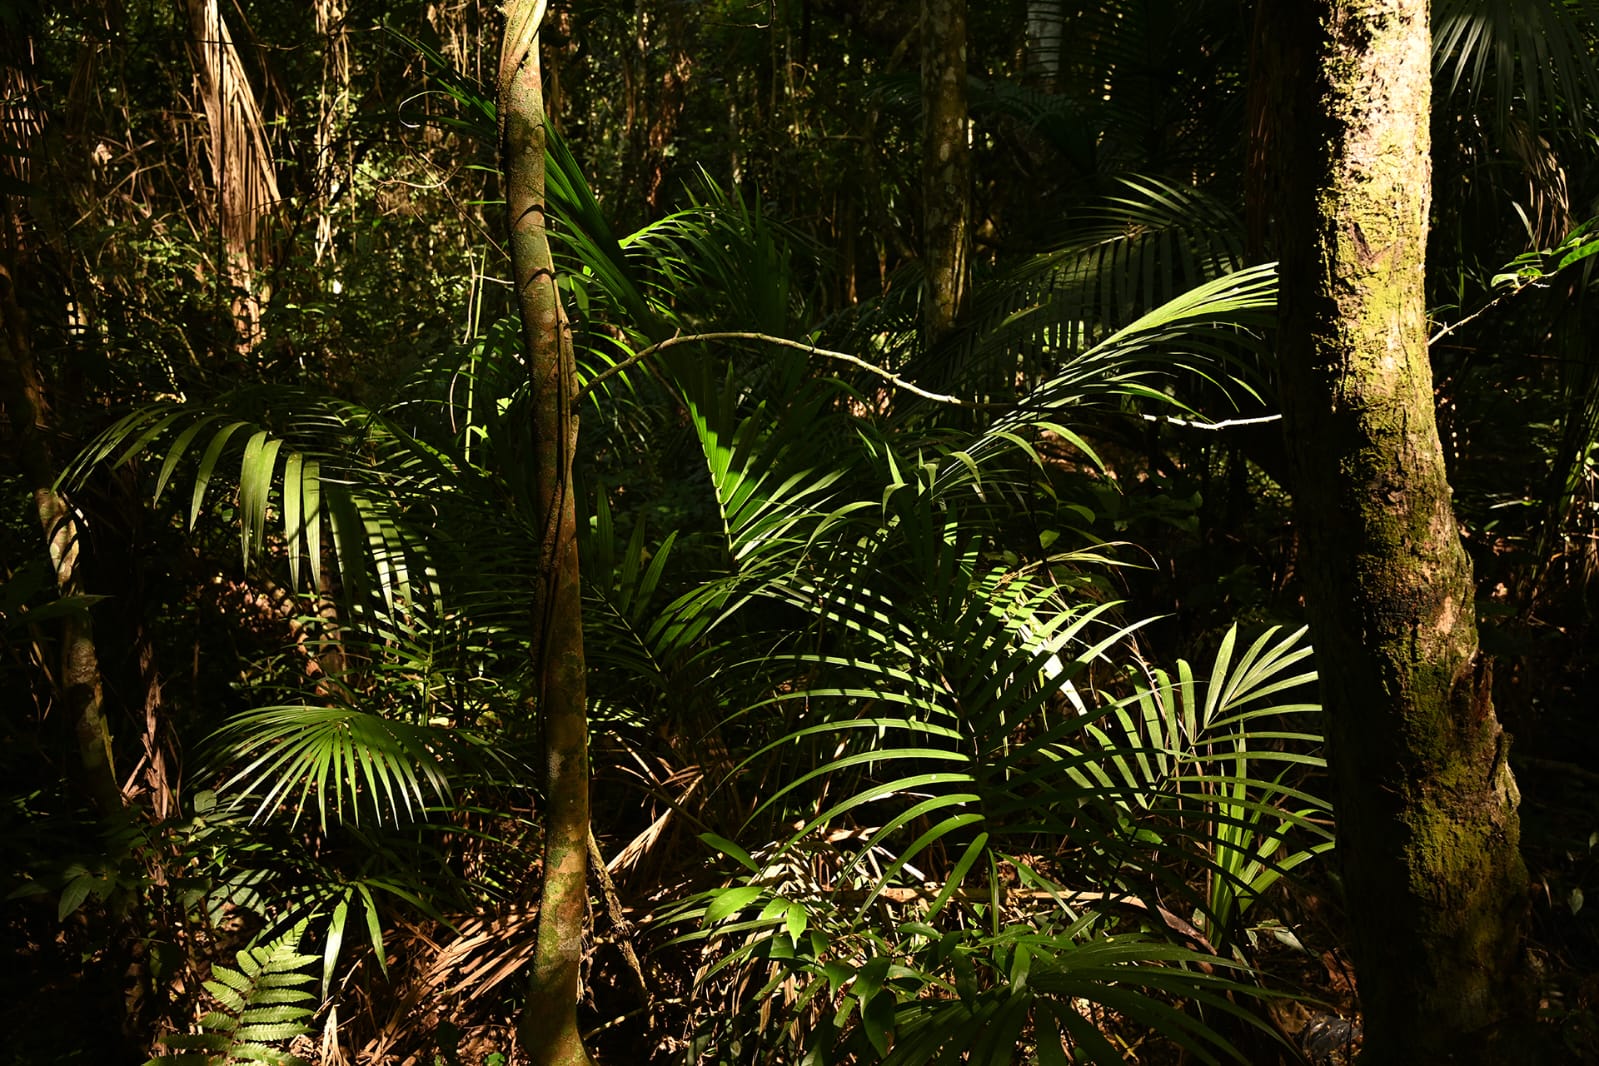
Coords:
pixel 874 647
pixel 33 582
pixel 1054 985
pixel 344 755
pixel 263 1004
pixel 1540 266
pixel 836 600
pixel 1533 59
pixel 1029 802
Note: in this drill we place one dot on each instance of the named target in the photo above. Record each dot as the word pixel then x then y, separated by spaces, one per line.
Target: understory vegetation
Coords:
pixel 950 698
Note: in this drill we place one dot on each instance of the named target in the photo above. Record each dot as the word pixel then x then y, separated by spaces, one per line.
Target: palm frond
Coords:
pixel 1531 57
pixel 346 759
pixel 1059 984
pixel 345 471
pixel 1203 331
pixel 952 719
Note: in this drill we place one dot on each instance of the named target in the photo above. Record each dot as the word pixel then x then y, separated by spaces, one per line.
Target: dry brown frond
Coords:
pixel 242 169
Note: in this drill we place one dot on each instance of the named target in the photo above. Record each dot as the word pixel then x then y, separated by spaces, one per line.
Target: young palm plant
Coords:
pixel 965 785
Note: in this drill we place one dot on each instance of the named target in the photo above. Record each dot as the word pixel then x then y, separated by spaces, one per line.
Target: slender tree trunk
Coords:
pixel 1046 30
pixel 23 398
pixel 79 681
pixel 1274 67
pixel 669 35
pixel 1277 60
pixel 1428 829
pixel 946 167
pixel 548 1029
pixel 334 167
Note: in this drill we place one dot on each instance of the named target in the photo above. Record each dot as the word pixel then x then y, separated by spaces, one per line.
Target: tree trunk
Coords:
pixel 946 167
pixel 1426 804
pixel 79 682
pixel 334 165
pixel 662 31
pixel 548 1029
pixel 23 398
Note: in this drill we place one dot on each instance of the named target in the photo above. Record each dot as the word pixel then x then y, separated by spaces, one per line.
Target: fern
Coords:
pixel 263 1003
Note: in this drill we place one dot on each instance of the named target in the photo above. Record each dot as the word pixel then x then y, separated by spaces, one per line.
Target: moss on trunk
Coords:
pixel 1426 803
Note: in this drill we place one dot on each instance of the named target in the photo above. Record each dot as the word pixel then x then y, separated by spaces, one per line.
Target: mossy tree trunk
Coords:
pixel 548 1030
pixel 946 167
pixel 1426 804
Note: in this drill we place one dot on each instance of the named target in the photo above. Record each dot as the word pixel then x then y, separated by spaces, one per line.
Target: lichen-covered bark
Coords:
pixel 1427 807
pixel 946 166
pixel 548 1030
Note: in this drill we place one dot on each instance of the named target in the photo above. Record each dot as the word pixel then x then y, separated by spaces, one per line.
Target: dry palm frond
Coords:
pixel 485 951
pixel 1546 208
pixel 242 167
pixel 488 950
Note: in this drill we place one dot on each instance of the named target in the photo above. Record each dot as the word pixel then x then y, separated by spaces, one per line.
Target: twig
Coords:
pixel 1485 308
pixel 781 342
pixel 1187 423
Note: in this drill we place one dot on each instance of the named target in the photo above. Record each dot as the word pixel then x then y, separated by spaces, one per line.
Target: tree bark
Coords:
pixel 1426 804
pixel 334 166
pixel 22 396
pixel 79 682
pixel 662 31
pixel 946 167
pixel 548 1029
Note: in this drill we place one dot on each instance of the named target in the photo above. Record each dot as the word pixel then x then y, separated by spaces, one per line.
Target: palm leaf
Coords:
pixel 346 759
pixel 1532 57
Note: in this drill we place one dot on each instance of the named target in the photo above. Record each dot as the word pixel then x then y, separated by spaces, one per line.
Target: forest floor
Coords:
pixel 62 994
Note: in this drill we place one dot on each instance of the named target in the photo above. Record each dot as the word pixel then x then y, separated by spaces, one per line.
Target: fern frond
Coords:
pixel 264 1004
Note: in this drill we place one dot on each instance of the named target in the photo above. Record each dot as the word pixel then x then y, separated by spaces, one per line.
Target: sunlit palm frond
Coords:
pixel 1220 766
pixel 1203 332
pixel 1139 247
pixel 326 466
pixel 1146 243
pixel 342 759
pixel 954 726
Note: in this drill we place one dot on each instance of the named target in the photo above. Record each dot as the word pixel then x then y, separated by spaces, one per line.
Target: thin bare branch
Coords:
pixel 781 342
